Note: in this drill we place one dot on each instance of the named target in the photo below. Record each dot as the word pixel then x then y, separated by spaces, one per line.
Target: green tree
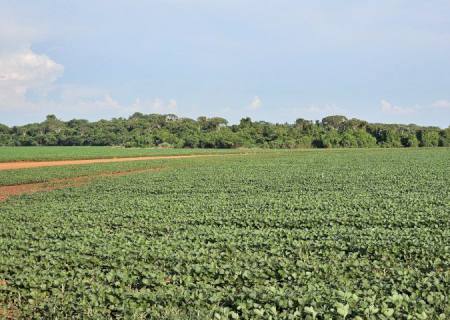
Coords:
pixel 334 121
pixel 444 138
pixel 428 138
pixel 409 140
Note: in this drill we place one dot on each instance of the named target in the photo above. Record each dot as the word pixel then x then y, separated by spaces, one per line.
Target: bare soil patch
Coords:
pixel 9 191
pixel 9 312
pixel 37 164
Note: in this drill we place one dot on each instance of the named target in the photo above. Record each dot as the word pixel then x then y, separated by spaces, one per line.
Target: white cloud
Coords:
pixel 256 103
pixel 28 84
pixel 157 105
pixel 441 104
pixel 389 108
pixel 160 106
pixel 105 102
pixel 172 105
pixel 16 37
pixel 315 111
pixel 437 106
pixel 24 72
pixel 327 109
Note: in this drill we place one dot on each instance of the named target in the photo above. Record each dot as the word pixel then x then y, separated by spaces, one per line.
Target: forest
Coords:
pixel 171 131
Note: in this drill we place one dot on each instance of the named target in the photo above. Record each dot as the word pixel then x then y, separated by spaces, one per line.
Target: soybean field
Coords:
pixel 322 234
pixel 69 153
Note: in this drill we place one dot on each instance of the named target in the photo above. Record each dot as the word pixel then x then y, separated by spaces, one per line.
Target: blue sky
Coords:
pixel 382 61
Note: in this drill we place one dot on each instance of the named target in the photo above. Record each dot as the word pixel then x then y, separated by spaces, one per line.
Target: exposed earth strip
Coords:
pixel 15 190
pixel 57 163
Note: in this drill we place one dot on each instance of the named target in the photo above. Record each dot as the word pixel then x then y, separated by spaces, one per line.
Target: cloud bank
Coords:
pixel 389 108
pixel 25 72
pixel 256 103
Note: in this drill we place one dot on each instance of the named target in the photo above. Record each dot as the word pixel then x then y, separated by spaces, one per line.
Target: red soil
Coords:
pixel 37 164
pixel 9 191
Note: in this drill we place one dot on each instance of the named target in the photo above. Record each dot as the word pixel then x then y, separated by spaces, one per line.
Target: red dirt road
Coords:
pixel 57 163
pixel 28 188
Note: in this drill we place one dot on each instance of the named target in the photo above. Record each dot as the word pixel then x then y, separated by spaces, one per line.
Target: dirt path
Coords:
pixel 15 190
pixel 57 163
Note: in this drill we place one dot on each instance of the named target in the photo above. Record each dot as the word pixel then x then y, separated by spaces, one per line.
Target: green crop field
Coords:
pixel 64 153
pixel 324 234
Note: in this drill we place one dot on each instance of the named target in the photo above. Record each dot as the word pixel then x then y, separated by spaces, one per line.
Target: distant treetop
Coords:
pixel 169 130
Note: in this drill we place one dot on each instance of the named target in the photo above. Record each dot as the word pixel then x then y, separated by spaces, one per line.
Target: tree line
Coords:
pixel 156 130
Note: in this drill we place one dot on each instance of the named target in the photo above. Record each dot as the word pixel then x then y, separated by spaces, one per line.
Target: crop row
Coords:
pixel 314 235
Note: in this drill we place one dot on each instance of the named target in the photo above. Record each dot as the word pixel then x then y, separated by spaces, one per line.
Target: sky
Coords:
pixel 274 60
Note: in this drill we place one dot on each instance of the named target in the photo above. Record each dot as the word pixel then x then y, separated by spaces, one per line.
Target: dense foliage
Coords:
pixel 341 234
pixel 141 130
